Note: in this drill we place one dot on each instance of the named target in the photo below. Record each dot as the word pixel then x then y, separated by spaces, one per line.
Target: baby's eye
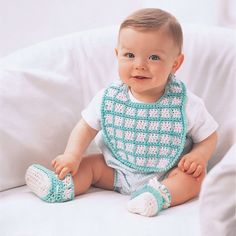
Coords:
pixel 154 57
pixel 129 55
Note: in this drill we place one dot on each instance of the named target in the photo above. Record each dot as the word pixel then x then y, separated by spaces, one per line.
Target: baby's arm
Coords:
pixel 194 163
pixel 81 136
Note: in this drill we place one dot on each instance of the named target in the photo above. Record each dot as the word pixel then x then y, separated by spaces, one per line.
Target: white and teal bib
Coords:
pixel 146 137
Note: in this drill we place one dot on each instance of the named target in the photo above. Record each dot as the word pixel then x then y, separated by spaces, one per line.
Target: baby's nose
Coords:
pixel 140 65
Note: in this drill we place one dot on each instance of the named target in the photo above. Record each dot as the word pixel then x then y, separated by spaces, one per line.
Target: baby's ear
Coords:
pixel 177 63
pixel 116 51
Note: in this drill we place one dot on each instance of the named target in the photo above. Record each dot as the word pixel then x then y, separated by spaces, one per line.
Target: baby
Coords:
pixel 155 136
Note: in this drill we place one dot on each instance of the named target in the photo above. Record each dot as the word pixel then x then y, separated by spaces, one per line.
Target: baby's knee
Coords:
pixel 192 184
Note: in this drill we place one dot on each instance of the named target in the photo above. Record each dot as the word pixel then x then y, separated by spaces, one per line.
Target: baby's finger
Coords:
pixel 192 168
pixel 63 173
pixel 187 164
pixel 53 162
pixel 58 169
pixel 73 172
pixel 198 171
pixel 57 165
pixel 181 164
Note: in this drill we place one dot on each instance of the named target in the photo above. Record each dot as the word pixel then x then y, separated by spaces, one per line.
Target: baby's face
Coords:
pixel 145 59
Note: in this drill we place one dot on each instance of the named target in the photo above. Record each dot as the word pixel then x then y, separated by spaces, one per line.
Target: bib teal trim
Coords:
pixel 148 137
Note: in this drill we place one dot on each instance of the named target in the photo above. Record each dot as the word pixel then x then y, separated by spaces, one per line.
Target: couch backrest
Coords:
pixel 210 72
pixel 45 87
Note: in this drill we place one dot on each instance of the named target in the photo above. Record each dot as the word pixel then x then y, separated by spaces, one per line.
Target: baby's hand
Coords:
pixel 64 164
pixel 192 165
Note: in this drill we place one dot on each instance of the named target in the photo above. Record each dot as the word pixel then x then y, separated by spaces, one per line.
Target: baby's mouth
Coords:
pixel 140 77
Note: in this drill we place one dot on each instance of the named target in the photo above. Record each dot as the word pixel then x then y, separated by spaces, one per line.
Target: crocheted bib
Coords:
pixel 147 137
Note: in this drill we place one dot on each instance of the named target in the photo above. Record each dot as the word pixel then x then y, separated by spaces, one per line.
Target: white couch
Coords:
pixel 42 91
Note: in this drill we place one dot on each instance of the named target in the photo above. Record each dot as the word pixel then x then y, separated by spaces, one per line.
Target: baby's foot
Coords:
pixel 150 199
pixel 144 204
pixel 147 201
pixel 47 186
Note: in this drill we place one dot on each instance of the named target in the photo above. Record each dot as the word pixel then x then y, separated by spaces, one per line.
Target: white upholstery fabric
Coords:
pixel 101 213
pixel 42 91
pixel 209 71
pixel 218 198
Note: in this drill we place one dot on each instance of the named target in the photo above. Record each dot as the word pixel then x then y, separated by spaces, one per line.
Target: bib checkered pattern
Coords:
pixel 147 137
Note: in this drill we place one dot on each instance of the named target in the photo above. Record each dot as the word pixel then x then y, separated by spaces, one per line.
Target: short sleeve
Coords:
pixel 200 123
pixel 92 113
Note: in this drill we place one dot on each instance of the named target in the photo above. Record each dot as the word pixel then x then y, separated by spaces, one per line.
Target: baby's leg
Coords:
pixel 182 186
pixel 93 171
pixel 46 184
pixel 178 188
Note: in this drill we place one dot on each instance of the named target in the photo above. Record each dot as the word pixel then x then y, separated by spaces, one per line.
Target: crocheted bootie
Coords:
pixel 150 199
pixel 47 186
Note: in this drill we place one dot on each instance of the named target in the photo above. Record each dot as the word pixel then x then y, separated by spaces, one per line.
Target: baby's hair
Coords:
pixel 155 19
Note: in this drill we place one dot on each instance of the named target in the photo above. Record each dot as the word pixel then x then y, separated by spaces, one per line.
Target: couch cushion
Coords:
pixel 218 198
pixel 42 92
pixel 98 212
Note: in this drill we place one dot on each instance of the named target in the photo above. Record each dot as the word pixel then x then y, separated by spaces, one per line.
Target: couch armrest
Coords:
pixel 218 198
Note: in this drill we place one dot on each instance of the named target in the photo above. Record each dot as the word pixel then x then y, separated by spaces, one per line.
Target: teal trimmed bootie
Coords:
pixel 47 186
pixel 150 199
